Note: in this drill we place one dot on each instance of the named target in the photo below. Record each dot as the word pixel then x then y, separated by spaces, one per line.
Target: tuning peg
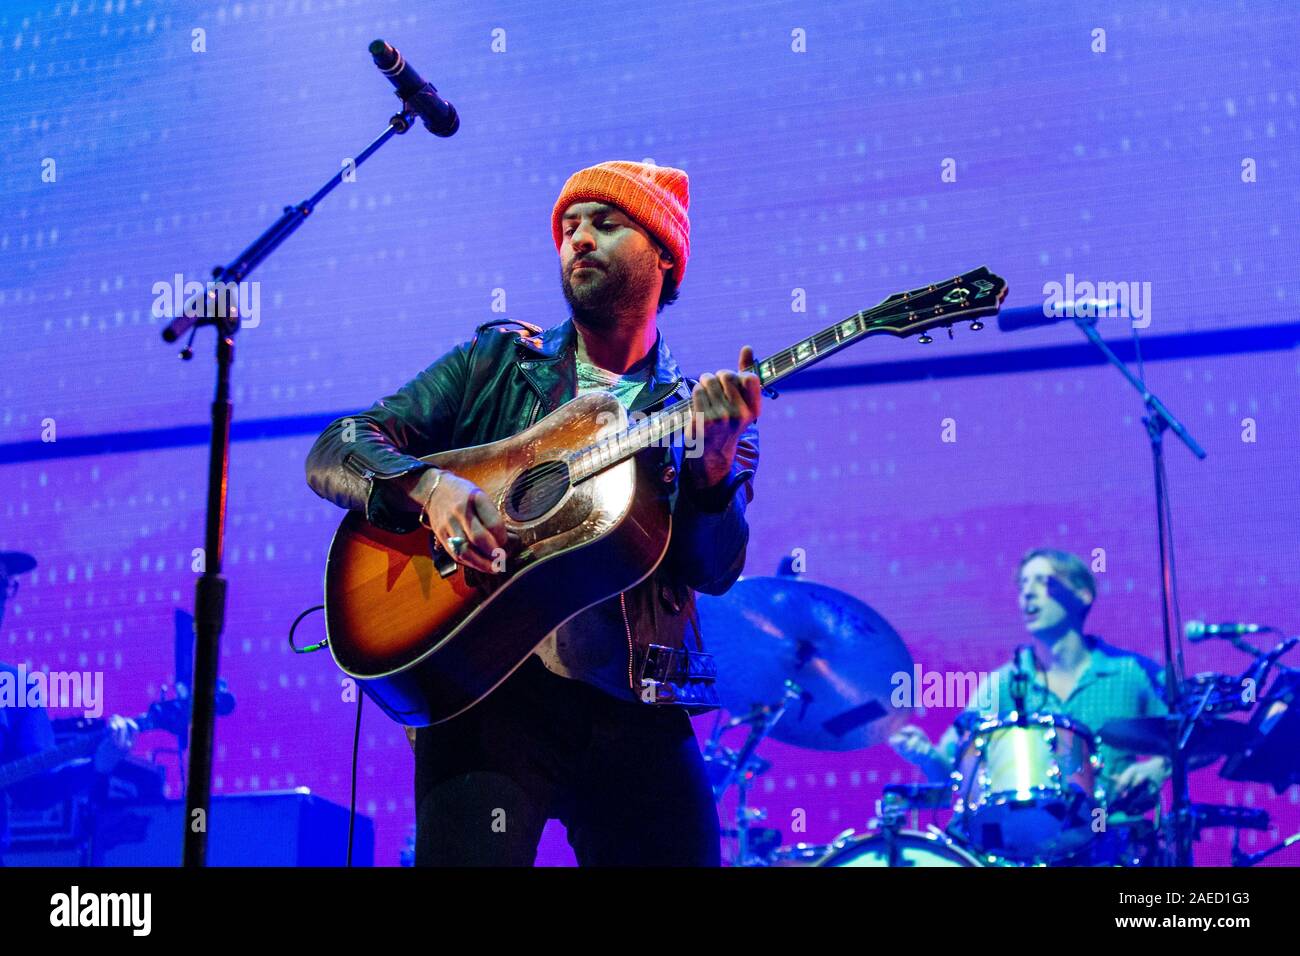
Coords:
pixel 925 338
pixel 976 325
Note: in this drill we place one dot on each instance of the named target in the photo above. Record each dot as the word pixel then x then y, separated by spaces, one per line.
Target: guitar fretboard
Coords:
pixel 38 763
pixel 812 349
pixel 662 426
pixel 976 293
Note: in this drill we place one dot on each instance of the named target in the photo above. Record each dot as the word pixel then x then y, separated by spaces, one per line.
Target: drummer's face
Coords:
pixel 1047 603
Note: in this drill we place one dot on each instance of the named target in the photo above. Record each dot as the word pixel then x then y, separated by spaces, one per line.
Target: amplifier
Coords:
pixel 277 828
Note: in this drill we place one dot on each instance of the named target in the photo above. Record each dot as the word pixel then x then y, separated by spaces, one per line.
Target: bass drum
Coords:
pixel 912 848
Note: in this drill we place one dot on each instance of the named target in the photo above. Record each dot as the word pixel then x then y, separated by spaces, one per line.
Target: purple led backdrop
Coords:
pixel 816 137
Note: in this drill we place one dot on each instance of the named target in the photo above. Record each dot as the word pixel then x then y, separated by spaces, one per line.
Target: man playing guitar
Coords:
pixel 27 731
pixel 573 734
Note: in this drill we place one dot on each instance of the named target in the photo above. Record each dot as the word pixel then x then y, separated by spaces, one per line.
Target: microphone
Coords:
pixel 1024 667
pixel 1032 316
pixel 1200 631
pixel 422 98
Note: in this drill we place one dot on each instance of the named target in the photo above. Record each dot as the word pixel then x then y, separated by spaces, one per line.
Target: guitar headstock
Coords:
pixel 966 298
pixel 970 297
pixel 172 715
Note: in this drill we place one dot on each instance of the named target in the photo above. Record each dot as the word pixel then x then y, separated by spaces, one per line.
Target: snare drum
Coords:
pixel 1028 791
pixel 911 848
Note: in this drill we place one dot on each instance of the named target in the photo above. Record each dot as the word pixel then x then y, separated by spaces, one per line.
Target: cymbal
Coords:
pixel 769 630
pixel 13 563
pixel 1211 739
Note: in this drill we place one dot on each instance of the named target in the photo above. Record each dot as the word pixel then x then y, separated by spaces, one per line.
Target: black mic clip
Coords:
pixel 401 122
pixel 419 98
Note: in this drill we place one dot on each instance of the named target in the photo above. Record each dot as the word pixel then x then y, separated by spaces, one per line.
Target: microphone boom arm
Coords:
pixel 1166 418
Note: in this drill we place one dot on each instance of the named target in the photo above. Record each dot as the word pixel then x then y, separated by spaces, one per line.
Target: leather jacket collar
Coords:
pixel 547 361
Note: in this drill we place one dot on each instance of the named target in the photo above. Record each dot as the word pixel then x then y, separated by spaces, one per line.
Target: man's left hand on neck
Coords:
pixel 708 471
pixel 723 405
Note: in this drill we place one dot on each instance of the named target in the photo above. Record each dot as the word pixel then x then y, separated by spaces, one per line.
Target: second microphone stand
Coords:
pixel 1158 419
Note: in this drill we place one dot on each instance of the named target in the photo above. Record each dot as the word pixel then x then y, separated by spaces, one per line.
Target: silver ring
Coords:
pixel 456 544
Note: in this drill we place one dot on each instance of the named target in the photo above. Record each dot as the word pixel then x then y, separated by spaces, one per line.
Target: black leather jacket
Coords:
pixel 494 386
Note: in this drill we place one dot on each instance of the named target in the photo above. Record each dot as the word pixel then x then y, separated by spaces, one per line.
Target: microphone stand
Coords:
pixel 210 589
pixel 1157 419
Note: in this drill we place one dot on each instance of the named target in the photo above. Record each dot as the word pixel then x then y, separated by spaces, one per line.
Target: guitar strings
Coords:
pixel 554 478
pixel 557 473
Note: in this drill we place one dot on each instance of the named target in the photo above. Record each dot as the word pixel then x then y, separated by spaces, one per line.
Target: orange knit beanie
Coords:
pixel 655 196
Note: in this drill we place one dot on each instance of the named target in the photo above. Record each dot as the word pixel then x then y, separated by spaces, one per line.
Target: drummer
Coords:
pixel 1079 676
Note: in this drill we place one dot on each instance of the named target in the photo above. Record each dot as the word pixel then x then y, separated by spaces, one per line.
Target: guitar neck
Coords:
pixel 810 351
pixel 31 766
pixel 663 425
pixel 971 296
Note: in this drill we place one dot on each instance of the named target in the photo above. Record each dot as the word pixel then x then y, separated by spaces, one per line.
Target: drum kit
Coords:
pixel 811 666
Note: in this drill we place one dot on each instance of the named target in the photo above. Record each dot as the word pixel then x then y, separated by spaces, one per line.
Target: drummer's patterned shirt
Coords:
pixel 1117 684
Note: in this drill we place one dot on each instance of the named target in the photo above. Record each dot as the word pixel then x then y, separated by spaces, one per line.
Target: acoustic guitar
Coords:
pixel 427 638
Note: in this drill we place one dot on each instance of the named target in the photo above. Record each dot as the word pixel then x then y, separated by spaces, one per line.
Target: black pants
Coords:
pixel 626 779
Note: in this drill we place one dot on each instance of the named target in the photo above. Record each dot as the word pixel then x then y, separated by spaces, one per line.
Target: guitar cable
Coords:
pixel 356 732
pixel 294 626
pixel 352 805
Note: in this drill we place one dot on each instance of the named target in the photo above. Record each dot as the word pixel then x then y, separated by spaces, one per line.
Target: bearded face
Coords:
pixel 607 262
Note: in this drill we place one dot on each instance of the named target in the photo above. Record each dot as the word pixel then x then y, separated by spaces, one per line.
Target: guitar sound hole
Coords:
pixel 537 490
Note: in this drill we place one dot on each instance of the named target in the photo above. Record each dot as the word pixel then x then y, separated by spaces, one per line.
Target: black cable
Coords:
pixel 352 808
pixel 294 626
pixel 356 733
pixel 1137 353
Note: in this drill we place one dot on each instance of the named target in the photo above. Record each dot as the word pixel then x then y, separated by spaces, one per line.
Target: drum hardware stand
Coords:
pixel 896 802
pixel 1250 859
pixel 1158 418
pixel 1179 827
pixel 744 765
pixel 1188 724
pixel 1021 676
pixel 1271 752
pixel 1206 815
pixel 891 811
pixel 1209 700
